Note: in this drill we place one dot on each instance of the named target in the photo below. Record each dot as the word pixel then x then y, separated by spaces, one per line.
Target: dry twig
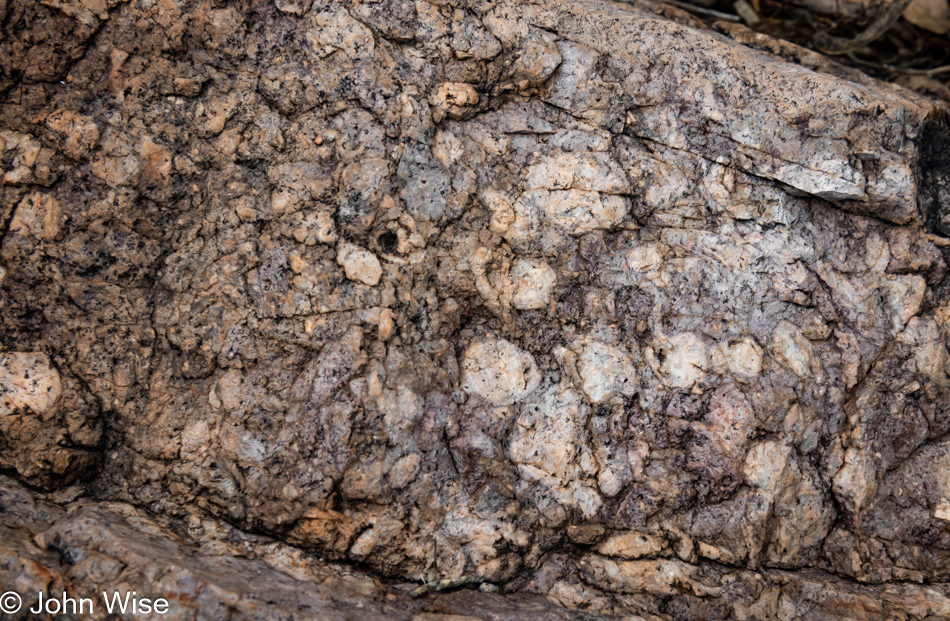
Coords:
pixel 835 46
pixel 904 70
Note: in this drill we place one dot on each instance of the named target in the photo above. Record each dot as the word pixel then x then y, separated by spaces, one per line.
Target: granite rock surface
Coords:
pixel 306 303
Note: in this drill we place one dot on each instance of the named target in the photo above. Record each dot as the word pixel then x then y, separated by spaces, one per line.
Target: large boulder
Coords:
pixel 563 298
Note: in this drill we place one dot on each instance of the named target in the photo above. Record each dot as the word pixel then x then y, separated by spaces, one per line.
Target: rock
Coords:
pixel 115 546
pixel 79 133
pixel 359 264
pixel 662 332
pixel 532 281
pixel 604 371
pixel 47 425
pixel 585 534
pixel 656 577
pixel 933 15
pixel 685 360
pixel 404 471
pixel 942 512
pixel 499 371
pixel 744 358
pixel 37 216
pixel 546 436
pixel 631 545
pixel 793 349
pixel 765 464
pixel 453 99
pixel 904 296
pixel 27 382
pixel 548 446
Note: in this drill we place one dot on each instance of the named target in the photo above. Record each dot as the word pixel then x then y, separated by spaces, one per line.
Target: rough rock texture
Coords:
pixel 207 569
pixel 575 299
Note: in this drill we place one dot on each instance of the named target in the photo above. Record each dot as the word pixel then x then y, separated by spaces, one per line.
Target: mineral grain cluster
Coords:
pixel 613 313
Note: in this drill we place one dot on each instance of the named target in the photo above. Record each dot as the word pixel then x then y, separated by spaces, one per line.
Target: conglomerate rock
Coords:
pixel 568 299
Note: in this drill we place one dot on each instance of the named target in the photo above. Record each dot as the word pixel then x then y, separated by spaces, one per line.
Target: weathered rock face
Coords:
pixel 49 431
pixel 206 569
pixel 568 297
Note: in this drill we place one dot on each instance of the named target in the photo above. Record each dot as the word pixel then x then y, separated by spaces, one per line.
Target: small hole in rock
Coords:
pixel 388 242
